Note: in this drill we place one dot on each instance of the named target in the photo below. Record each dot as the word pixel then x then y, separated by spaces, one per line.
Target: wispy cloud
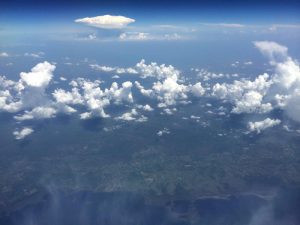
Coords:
pixel 228 25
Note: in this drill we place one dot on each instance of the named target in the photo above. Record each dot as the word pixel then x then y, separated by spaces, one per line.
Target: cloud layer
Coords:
pixel 164 89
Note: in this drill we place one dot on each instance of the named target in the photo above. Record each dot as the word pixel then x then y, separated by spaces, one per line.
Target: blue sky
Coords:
pixel 215 37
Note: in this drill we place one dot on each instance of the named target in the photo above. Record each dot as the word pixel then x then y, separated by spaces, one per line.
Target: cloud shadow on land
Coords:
pixel 93 124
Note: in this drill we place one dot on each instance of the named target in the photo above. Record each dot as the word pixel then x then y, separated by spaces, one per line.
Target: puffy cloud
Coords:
pixel 92 37
pixel 40 75
pixel 145 92
pixel 8 90
pixel 65 97
pixel 135 36
pixel 251 102
pixel 247 96
pixel 120 94
pixel 4 54
pixel 207 75
pixel 280 90
pixel 142 69
pixel 117 70
pixel 128 115
pixel 169 91
pixel 163 132
pixel 158 71
pixel 286 79
pixel 133 115
pixel 259 126
pixel 21 134
pixel 106 21
pixel 197 89
pixel 90 94
pixel 37 113
pixel 145 107
pixel 272 50
pixel 248 63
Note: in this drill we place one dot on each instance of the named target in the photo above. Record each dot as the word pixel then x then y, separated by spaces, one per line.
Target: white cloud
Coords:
pixel 206 75
pixel 232 25
pixel 272 50
pixel 128 116
pixel 226 25
pixel 118 70
pixel 280 90
pixel 23 133
pixel 169 91
pixel 135 36
pixel 197 89
pixel 248 63
pixel 259 126
pixel 90 95
pixel 120 94
pixel 145 107
pixel 142 36
pixel 34 54
pixel 92 37
pixel 163 132
pixel 40 75
pixel 286 79
pixel 65 97
pixel 247 96
pixel 106 21
pixel 133 115
pixel 37 113
pixel 4 54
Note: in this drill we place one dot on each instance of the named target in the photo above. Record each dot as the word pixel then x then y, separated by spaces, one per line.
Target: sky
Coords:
pixel 209 38
pixel 155 74
pixel 178 11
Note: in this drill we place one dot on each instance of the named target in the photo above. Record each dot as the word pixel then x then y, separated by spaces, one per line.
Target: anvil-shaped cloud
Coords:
pixel 106 21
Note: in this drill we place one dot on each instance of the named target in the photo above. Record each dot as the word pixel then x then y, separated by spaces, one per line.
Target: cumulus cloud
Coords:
pixel 145 107
pixel 135 36
pixel 24 132
pixel 246 96
pixel 286 79
pixel 272 50
pixel 133 115
pixel 37 113
pixel 259 126
pixel 106 21
pixel 163 132
pixel 89 94
pixel 167 87
pixel 28 91
pixel 40 75
pixel 197 89
pixel 118 70
pixel 280 90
